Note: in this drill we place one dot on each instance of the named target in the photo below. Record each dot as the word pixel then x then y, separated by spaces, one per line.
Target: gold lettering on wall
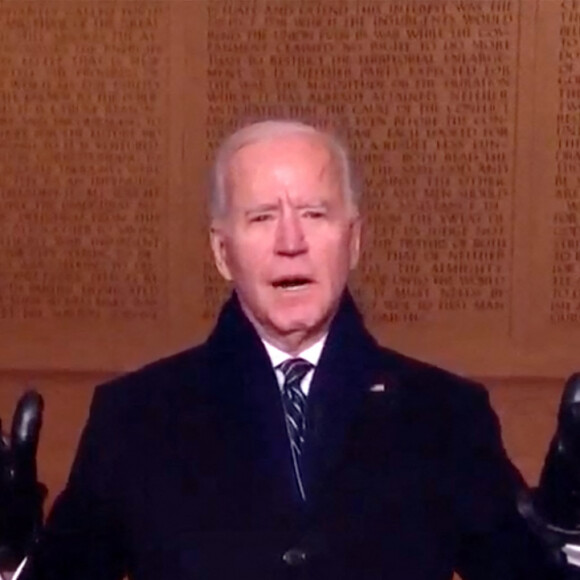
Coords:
pixel 565 298
pixel 424 94
pixel 82 144
pixel 461 116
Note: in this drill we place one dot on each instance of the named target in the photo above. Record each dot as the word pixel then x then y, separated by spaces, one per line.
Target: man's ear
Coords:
pixel 219 247
pixel 355 233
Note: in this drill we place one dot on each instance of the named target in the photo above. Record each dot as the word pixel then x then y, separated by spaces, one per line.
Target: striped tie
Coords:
pixel 294 370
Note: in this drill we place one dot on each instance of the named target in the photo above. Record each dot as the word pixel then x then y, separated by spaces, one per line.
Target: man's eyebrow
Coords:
pixel 261 207
pixel 316 204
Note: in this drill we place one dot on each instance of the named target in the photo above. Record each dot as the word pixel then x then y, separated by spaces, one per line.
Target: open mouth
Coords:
pixel 292 283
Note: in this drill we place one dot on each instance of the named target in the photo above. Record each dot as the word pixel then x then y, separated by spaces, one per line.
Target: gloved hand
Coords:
pixel 21 495
pixel 553 508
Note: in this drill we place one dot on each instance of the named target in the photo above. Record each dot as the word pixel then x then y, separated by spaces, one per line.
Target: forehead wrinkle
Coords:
pixel 239 168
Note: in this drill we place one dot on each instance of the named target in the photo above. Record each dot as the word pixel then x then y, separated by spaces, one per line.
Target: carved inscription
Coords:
pixel 565 301
pixel 82 179
pixel 424 94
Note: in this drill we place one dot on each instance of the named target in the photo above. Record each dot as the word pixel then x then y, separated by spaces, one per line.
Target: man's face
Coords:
pixel 288 239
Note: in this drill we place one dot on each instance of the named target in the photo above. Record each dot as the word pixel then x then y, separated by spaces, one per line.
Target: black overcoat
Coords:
pixel 184 472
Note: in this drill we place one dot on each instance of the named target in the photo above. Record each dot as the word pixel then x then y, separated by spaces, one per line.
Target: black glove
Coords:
pixel 21 495
pixel 553 508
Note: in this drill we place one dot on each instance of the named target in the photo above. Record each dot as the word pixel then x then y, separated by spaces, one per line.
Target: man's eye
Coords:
pixel 261 217
pixel 314 214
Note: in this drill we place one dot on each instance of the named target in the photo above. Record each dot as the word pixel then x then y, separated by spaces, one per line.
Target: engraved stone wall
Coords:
pixel 424 94
pixel 82 184
pixel 565 279
pixel 462 116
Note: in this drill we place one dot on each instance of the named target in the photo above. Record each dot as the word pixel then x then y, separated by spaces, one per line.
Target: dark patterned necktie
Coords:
pixel 294 370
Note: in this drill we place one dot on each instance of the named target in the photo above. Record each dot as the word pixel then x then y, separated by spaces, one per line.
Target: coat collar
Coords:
pixel 249 395
pixel 343 375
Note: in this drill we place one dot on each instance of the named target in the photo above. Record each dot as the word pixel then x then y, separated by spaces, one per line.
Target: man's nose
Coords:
pixel 290 238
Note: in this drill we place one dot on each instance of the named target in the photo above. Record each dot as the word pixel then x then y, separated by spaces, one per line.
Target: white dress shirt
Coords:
pixel 310 354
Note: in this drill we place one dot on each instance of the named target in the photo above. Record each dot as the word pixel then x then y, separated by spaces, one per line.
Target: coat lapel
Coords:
pixel 249 409
pixel 252 417
pixel 342 378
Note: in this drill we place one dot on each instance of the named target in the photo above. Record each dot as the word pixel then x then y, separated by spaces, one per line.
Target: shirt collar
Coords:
pixel 311 354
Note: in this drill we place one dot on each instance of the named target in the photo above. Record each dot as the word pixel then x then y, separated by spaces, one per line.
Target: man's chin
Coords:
pixel 295 316
pixel 299 329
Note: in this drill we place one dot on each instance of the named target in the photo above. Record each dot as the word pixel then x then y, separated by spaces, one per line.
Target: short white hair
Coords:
pixel 271 129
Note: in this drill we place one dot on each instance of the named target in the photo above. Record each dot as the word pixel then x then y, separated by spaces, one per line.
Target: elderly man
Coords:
pixel 289 444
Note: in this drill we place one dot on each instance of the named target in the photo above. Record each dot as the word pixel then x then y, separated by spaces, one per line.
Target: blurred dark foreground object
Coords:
pixel 553 508
pixel 21 495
